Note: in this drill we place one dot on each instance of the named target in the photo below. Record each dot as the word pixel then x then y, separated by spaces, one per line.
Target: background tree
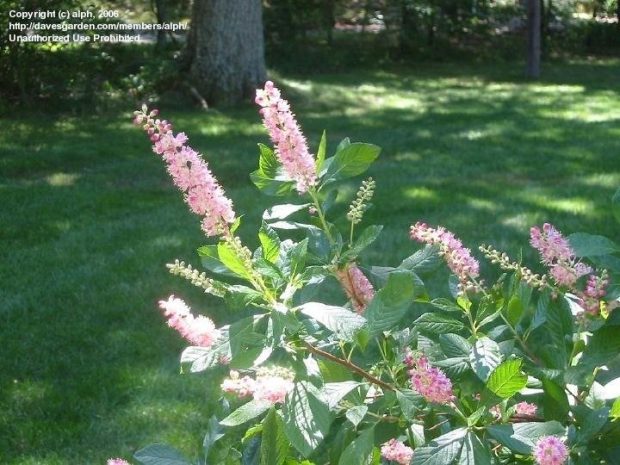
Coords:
pixel 533 38
pixel 226 49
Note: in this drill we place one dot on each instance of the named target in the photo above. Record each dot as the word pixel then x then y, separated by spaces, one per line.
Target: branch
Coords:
pixel 350 366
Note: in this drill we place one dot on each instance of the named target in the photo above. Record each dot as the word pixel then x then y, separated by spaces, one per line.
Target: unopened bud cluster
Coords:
pixel 359 205
pixel 197 278
pixel 505 263
pixel 155 128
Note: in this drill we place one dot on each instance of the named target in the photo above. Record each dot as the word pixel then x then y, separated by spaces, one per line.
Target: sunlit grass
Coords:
pixel 89 219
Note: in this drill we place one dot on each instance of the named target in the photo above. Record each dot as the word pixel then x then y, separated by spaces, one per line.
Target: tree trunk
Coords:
pixel 225 50
pixel 533 39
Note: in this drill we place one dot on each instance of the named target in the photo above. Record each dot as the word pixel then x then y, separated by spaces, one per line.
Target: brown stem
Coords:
pixel 350 366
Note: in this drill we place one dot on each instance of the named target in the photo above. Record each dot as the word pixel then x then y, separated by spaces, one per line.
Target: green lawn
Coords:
pixel 88 219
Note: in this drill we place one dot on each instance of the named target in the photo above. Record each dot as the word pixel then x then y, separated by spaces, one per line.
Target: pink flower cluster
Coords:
pixel 190 173
pixel 557 254
pixel 525 409
pixel 458 258
pixel 356 285
pixel 397 451
pixel 271 385
pixel 118 462
pixel 199 330
pixel 594 293
pixel 290 144
pixel 550 450
pixel 430 382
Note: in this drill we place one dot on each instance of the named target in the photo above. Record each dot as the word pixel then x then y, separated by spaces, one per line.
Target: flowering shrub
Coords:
pixel 519 370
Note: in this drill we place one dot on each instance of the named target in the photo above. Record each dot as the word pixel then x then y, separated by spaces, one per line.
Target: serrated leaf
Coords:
pixel 485 357
pixel 270 243
pixel 555 402
pixel 351 160
pixel 438 323
pixel 446 305
pixel 359 452
pixel 474 452
pixel 283 211
pixel 356 414
pixel 391 303
pixel 160 454
pixel 442 451
pixel 246 412
pixel 210 260
pixel 506 380
pixel 344 323
pixel 368 236
pixel 231 260
pixel 320 153
pixel 333 393
pixel 306 418
pixel 590 245
pixel 454 345
pixel 422 261
pixel 410 402
pixel 274 446
pixel 521 437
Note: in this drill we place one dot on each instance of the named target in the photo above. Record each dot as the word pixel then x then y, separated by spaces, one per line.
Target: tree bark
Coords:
pixel 225 50
pixel 533 39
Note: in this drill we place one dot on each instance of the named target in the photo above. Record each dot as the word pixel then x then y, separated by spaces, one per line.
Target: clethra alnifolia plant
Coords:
pixel 519 370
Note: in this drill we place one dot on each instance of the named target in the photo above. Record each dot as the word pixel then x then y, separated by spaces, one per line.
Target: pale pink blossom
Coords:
pixel 526 409
pixel 200 330
pixel 594 292
pixel 430 382
pixel 556 253
pixel 457 257
pixel 118 462
pixel 397 451
pixel 290 144
pixel 191 174
pixel 271 385
pixel 550 450
pixel 356 285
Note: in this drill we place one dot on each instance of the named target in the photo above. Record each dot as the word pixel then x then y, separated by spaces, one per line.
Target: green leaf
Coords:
pixel 603 347
pixel 410 402
pixel 555 401
pixel 359 452
pixel 274 446
pixel 589 245
pixel 283 211
pixel 211 261
pixel 320 153
pixel 195 359
pixel 251 453
pixel 438 323
pixel 474 452
pixel 368 236
pixel 333 393
pixel 245 413
pixel 521 437
pixel 454 345
pixel 514 310
pixel 351 160
pixel 231 260
pixel 506 380
pixel 485 357
pixel 442 451
pixel 344 323
pixel 615 409
pixel 591 421
pixel 268 177
pixel 356 414
pixel 270 243
pixel 423 261
pixel 446 305
pixel 306 418
pixel 344 143
pixel 160 454
pixel 268 162
pixel 391 303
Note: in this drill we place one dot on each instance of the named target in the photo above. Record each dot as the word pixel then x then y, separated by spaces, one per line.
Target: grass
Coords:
pixel 89 218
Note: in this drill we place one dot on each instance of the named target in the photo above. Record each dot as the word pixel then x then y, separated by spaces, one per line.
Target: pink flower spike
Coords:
pixel 550 450
pixel 117 462
pixel 526 409
pixel 457 257
pixel 431 382
pixel 356 285
pixel 397 451
pixel 191 174
pixel 200 331
pixel 290 144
